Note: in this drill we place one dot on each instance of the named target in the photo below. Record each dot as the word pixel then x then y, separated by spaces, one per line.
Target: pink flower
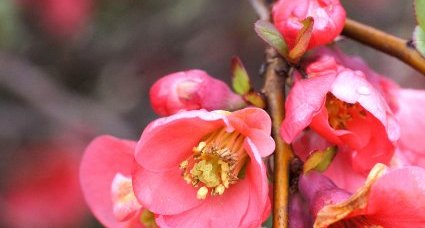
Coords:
pixel 191 90
pixel 328 15
pixel 344 108
pixel 105 176
pixel 43 189
pixel 389 198
pixel 408 106
pixel 63 18
pixel 204 169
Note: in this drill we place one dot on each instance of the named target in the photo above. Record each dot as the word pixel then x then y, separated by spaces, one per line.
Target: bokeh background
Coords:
pixel 74 69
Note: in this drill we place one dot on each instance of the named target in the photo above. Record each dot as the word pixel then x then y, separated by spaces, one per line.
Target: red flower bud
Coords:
pixel 328 15
pixel 192 90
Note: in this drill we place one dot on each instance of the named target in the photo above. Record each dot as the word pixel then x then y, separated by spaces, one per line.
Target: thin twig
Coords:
pixel 274 89
pixel 384 42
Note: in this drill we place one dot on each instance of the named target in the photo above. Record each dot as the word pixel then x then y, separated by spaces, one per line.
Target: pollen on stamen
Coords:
pixel 202 193
pixel 215 163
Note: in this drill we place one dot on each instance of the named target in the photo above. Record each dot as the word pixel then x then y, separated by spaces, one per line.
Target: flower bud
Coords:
pixel 328 15
pixel 192 90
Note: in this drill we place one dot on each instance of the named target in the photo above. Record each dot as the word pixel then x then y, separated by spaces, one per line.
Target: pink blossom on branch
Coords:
pixel 344 108
pixel 373 204
pixel 192 90
pixel 204 169
pixel 408 106
pixel 328 15
pixel 105 176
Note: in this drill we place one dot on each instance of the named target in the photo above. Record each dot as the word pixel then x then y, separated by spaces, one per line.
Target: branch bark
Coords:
pixel 274 89
pixel 384 42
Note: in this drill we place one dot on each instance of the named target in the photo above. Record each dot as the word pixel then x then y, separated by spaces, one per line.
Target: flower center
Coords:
pixel 216 163
pixel 340 112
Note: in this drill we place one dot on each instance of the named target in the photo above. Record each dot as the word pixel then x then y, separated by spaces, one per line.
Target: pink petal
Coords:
pixel 259 203
pixel 174 137
pixel 164 192
pixel 342 174
pixel 251 118
pixel 304 101
pixel 103 159
pixel 308 142
pixel 397 199
pixel 351 87
pixel 219 211
pixel 254 123
pixel 378 150
pixel 411 118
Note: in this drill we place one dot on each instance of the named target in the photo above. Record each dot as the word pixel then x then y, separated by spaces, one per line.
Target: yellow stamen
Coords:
pixel 215 163
pixel 202 193
pixel 340 112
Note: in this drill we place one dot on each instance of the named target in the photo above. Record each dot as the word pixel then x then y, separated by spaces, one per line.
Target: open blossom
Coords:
pixel 204 169
pixel 344 108
pixel 388 198
pixel 105 175
pixel 192 90
pixel 328 15
pixel 408 106
pixel 43 189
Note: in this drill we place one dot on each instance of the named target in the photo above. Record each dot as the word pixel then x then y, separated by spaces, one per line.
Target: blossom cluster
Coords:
pixel 200 165
pixel 191 168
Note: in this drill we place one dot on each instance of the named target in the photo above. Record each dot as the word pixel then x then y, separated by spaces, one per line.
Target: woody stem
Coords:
pixel 384 42
pixel 274 89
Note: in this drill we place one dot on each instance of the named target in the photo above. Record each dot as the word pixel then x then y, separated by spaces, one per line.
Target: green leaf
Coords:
pixel 240 78
pixel 420 13
pixel 255 98
pixel 419 40
pixel 302 41
pixel 272 36
pixel 319 160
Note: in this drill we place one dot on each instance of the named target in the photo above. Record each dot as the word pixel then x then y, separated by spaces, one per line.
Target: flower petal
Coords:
pixel 352 86
pixel 305 100
pixel 164 192
pixel 226 210
pixel 103 159
pixel 174 137
pixel 405 188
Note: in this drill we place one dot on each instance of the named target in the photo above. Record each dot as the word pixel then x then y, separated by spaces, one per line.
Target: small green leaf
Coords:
pixel 319 160
pixel 420 13
pixel 302 41
pixel 272 36
pixel 255 98
pixel 240 78
pixel 419 40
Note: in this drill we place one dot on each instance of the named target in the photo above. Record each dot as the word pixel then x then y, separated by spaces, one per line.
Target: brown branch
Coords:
pixel 274 89
pixel 384 42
